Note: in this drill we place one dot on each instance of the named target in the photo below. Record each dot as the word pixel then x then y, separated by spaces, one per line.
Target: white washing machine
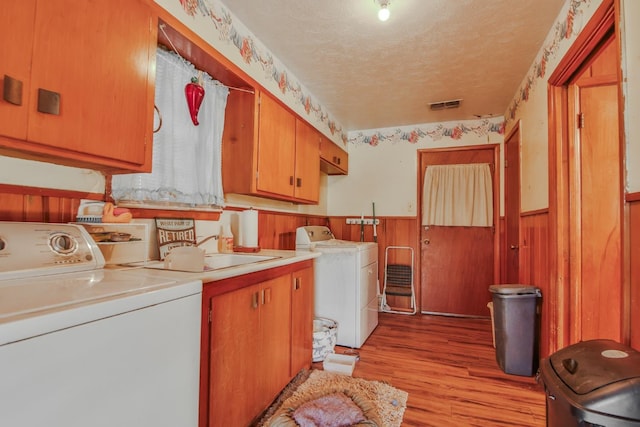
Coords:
pixel 346 281
pixel 84 346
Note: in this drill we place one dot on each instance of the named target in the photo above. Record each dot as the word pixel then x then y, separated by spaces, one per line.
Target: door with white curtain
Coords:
pixel 458 262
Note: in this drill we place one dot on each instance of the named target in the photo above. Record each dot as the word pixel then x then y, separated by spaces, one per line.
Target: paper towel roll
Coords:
pixel 249 228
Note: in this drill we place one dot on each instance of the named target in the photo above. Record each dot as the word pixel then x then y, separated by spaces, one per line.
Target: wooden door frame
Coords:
pixel 496 208
pixel 504 266
pixel 604 20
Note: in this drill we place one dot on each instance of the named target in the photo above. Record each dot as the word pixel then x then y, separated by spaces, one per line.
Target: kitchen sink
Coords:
pixel 218 261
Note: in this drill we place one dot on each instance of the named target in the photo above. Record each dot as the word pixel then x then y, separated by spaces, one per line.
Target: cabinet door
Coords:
pixel 276 148
pixel 307 164
pixel 301 320
pixel 274 352
pixel 98 56
pixel 16 33
pixel 333 159
pixel 233 368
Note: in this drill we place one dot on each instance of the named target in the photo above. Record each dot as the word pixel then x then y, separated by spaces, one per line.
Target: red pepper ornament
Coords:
pixel 195 94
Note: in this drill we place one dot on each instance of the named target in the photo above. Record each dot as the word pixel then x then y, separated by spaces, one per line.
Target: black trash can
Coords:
pixel 516 320
pixel 592 383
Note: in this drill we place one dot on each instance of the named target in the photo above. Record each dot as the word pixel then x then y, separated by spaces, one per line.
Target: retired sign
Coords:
pixel 173 232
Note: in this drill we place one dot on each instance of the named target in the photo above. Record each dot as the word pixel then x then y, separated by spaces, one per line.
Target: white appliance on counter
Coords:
pixel 346 277
pixel 85 346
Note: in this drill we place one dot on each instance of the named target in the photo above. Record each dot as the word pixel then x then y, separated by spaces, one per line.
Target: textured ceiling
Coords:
pixel 371 74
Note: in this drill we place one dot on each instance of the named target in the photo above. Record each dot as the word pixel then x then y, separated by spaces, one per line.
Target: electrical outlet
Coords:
pixel 366 221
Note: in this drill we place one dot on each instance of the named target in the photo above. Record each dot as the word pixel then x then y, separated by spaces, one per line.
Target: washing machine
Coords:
pixel 346 283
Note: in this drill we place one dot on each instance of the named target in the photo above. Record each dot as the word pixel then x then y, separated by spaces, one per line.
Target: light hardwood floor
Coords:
pixel 448 367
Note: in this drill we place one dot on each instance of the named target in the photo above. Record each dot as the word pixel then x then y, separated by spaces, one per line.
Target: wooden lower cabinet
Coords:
pixel 259 329
pixel 301 320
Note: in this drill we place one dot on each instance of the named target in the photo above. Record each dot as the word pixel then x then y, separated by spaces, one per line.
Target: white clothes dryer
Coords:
pixel 346 280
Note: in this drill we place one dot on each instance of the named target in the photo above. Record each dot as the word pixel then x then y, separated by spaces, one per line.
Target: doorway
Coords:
pixel 512 206
pixel 458 263
pixel 586 188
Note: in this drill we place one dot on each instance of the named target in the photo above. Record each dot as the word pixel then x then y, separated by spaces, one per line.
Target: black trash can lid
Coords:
pixel 590 365
pixel 513 289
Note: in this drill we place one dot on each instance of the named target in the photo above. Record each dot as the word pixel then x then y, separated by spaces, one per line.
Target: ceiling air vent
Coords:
pixel 445 105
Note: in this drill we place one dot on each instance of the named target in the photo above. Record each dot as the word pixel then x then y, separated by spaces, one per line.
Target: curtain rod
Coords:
pixel 183 59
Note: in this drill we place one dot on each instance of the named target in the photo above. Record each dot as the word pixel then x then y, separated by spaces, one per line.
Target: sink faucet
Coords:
pixel 206 239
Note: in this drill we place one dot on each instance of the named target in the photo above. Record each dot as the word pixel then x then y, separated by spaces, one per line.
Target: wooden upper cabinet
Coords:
pixel 267 151
pixel 276 148
pixel 334 160
pixel 16 33
pixel 87 74
pixel 307 163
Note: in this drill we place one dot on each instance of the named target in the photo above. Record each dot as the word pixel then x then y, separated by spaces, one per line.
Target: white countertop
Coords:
pixel 282 258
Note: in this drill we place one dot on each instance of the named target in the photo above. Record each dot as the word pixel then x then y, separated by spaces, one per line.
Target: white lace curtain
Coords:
pixel 187 159
pixel 458 195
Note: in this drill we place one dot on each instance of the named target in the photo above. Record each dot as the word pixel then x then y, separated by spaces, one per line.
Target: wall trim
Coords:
pixel 49 192
pixel 632 197
pixel 534 212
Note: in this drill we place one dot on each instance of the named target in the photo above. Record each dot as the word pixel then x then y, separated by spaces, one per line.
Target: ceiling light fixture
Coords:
pixel 383 13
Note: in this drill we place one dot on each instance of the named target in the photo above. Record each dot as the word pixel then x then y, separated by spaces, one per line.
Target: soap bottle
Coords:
pixel 225 244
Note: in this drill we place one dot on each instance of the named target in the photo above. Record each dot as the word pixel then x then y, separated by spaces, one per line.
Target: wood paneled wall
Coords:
pixel 18 203
pixel 634 255
pixel 391 231
pixel 534 267
pixel 277 231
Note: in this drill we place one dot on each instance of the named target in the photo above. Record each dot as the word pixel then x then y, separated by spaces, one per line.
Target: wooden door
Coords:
pixel 457 263
pixel 276 148
pixel 512 207
pixel 99 57
pixel 273 351
pixel 301 320
pixel 597 202
pixel 307 163
pixel 234 369
pixel 16 33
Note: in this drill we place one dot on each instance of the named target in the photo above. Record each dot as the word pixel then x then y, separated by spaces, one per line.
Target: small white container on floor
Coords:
pixel 339 363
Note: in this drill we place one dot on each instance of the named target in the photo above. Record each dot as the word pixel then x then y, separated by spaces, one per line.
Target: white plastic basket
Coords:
pixel 325 335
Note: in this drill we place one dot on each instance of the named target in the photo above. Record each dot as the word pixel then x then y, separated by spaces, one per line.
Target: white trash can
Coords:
pixel 325 335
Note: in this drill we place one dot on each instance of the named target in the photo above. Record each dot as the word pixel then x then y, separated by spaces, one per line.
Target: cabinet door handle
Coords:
pixel 296 283
pixel 266 296
pixel 291 180
pixel 254 300
pixel 12 90
pixel 48 102
pixel 298 182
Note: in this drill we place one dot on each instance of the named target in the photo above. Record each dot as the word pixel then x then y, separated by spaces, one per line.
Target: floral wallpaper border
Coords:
pixel 252 54
pixel 435 131
pixel 563 30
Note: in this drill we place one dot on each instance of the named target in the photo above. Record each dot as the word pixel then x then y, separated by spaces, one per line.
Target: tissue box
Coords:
pixel 339 363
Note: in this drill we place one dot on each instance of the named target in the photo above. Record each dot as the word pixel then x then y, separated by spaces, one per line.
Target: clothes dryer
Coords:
pixel 346 283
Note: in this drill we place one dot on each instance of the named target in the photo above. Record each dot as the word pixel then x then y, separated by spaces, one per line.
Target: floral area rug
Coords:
pixel 323 399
